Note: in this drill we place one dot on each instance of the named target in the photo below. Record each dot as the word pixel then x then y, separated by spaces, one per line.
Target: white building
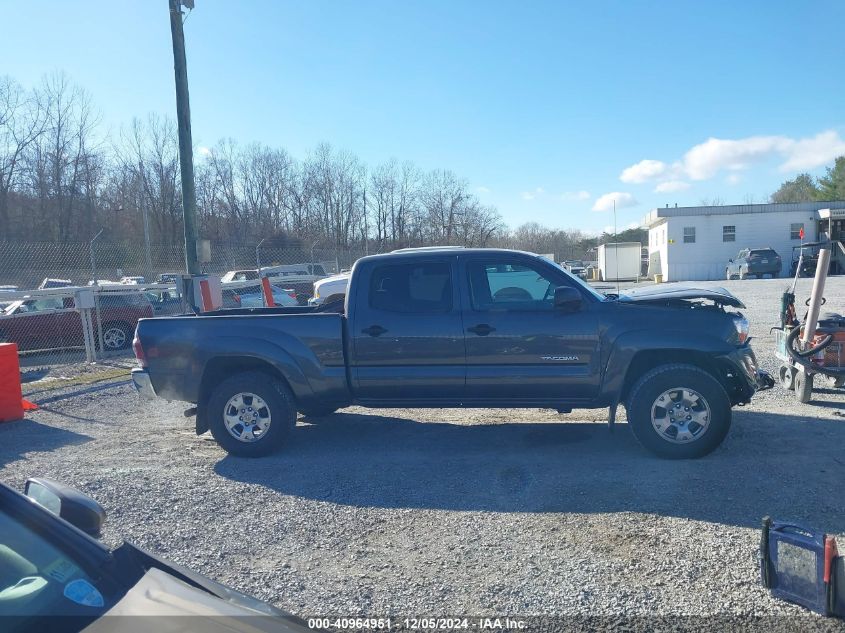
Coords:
pixel 691 243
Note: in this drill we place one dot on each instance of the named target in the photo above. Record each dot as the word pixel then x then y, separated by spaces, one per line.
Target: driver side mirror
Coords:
pixel 567 299
pixel 68 503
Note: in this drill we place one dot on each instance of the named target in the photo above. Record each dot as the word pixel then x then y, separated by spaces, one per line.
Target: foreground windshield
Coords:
pixel 39 579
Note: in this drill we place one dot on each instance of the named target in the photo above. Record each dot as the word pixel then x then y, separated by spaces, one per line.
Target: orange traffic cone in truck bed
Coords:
pixel 11 399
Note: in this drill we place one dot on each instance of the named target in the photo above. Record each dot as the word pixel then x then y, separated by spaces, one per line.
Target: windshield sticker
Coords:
pixel 60 570
pixel 83 592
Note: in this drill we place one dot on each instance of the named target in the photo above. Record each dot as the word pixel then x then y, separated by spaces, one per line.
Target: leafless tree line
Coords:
pixel 61 180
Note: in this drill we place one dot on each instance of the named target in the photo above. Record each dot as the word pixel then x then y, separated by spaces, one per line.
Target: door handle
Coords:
pixel 374 330
pixel 482 329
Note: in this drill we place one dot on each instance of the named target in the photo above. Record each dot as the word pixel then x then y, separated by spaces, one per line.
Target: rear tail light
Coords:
pixel 236 298
pixel 139 351
pixel 292 294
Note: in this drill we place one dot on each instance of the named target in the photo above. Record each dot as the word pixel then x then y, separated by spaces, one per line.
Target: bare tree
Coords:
pixel 21 124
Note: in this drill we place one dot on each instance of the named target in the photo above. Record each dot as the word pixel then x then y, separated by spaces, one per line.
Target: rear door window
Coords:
pixel 420 287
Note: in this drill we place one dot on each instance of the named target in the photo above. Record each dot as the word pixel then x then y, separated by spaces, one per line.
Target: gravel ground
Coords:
pixel 440 512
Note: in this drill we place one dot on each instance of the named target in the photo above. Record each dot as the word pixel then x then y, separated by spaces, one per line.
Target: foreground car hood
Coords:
pixel 670 292
pixel 158 593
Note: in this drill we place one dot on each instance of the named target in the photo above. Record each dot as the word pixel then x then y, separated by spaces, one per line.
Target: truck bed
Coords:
pixel 305 347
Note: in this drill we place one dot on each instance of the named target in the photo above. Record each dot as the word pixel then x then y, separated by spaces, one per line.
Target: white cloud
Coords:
pixel 622 199
pixel 633 225
pixel 808 153
pixel 706 160
pixel 202 150
pixel 531 195
pixel 671 185
pixel 575 195
pixel 643 171
pixel 482 190
pixel 733 179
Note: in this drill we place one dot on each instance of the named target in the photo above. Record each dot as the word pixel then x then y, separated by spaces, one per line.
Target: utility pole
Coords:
pixel 183 119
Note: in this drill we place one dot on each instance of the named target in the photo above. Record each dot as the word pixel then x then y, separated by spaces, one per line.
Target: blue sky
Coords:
pixel 545 107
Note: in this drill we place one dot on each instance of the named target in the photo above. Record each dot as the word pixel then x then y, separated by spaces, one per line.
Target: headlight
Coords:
pixel 742 327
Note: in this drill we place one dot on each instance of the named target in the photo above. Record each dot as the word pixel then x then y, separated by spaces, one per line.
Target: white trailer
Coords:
pixel 620 261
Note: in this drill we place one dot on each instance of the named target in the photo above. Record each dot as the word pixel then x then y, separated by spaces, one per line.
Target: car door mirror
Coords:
pixel 730 261
pixel 567 299
pixel 78 509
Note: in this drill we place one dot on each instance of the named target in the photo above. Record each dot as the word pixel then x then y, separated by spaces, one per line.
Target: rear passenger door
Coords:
pixel 406 332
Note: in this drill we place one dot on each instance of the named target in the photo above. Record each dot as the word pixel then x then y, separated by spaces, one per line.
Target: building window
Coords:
pixel 689 235
pixel 795 230
pixel 729 233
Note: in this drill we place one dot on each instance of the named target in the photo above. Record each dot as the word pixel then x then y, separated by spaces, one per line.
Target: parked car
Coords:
pixel 754 262
pixel 239 275
pixel 251 296
pixel 48 283
pixel 164 302
pixel 300 277
pixel 132 280
pixel 462 328
pixel 168 278
pixel 576 267
pixel 43 323
pixel 56 575
pixel 330 289
pixel 254 298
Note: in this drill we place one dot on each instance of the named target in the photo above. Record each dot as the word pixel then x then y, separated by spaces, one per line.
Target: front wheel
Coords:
pixel 251 414
pixel 679 411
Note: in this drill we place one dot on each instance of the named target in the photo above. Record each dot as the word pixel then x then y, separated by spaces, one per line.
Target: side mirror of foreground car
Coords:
pixel 567 299
pixel 78 509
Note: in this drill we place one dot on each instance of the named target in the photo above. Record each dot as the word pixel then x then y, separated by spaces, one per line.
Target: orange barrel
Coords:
pixel 11 406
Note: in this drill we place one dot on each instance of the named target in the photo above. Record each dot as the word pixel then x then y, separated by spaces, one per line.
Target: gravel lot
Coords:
pixel 441 512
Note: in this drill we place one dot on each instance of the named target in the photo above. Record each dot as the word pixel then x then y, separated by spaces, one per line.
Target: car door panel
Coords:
pixel 416 353
pixel 526 354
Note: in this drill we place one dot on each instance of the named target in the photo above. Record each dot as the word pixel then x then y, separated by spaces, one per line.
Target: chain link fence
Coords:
pixel 43 312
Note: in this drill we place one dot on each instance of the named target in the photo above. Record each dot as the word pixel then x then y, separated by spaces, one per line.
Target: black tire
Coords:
pixel 803 386
pixel 116 336
pixel 645 393
pixel 280 407
pixel 317 411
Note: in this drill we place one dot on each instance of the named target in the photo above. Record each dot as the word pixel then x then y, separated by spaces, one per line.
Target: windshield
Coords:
pixel 37 578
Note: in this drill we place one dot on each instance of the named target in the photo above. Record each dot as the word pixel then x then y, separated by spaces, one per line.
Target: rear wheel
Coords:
pixel 679 411
pixel 251 414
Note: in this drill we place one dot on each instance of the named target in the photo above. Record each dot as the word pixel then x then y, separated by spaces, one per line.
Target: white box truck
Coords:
pixel 620 261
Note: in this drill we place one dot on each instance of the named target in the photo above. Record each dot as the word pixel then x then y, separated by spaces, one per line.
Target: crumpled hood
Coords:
pixel 668 292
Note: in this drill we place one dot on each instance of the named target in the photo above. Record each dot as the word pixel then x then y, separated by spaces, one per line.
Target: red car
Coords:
pixel 52 322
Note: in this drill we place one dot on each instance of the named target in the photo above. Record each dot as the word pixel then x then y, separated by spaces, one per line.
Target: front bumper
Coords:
pixel 744 377
pixel 141 380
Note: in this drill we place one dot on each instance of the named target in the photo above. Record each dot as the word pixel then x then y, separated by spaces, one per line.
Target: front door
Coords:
pixel 406 332
pixel 519 347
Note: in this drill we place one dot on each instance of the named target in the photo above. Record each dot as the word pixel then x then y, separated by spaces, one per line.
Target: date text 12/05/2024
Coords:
pixel 418 624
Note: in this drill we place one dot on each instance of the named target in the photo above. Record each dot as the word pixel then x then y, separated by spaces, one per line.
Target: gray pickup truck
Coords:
pixel 455 327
